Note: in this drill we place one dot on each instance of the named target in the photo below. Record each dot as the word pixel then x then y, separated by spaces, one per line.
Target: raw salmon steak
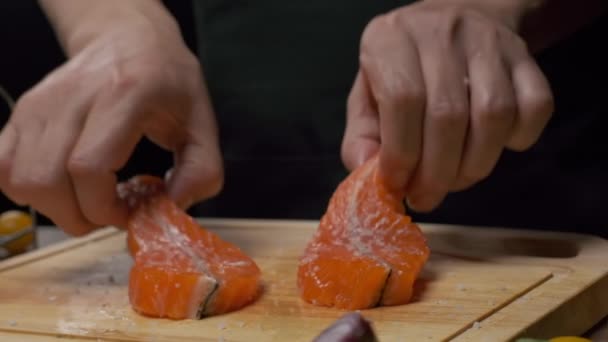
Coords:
pixel 366 251
pixel 181 270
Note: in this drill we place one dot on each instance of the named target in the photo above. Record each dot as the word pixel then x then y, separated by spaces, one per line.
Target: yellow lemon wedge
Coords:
pixel 13 221
pixel 569 339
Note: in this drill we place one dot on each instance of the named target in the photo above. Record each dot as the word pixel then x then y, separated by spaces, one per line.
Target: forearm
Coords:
pixel 77 22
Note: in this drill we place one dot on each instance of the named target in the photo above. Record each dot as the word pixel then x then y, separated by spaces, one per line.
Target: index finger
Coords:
pixel 362 134
pixel 107 141
pixel 392 66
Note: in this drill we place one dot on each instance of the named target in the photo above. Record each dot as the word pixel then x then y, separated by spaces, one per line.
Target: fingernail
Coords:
pixel 361 159
pixel 168 175
pixel 411 204
pixel 421 204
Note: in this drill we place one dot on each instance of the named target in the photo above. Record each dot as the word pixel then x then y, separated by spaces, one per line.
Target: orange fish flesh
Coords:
pixel 181 270
pixel 366 251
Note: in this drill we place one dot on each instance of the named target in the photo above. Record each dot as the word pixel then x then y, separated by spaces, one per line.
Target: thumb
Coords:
pixel 362 134
pixel 197 175
pixel 198 171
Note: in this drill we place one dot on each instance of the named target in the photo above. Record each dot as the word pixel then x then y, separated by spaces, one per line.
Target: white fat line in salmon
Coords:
pixel 206 286
pixel 356 230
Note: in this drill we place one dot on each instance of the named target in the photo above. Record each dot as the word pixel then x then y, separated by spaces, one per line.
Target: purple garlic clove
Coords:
pixel 350 328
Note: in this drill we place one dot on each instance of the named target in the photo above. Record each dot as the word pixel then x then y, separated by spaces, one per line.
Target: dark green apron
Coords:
pixel 279 73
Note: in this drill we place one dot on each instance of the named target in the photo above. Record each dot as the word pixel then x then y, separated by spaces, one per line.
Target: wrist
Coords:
pixel 79 23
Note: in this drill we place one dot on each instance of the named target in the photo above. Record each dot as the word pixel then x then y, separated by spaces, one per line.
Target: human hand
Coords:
pixel 69 135
pixel 443 88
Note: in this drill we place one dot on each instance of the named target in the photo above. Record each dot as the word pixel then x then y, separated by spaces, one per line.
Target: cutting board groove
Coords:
pixel 503 305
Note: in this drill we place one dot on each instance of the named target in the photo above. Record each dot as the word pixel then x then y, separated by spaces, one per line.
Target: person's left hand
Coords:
pixel 443 88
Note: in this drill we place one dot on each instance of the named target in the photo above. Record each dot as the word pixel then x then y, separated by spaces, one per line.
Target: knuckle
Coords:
pixel 20 183
pixel 45 181
pixel 17 182
pixel 352 103
pixel 24 105
pixel 488 37
pixel 523 140
pixel 215 180
pixel 401 95
pixel 446 22
pixel 123 82
pixel 376 28
pixel 520 145
pixel 207 182
pixel 448 18
pixel 61 81
pixel 477 21
pixel 26 98
pixel 347 153
pixel 405 162
pixel 540 105
pixel 473 176
pixel 448 112
pixel 192 64
pixel 463 183
pixel 6 163
pixel 39 181
pixel 130 80
pixel 79 166
pixel 496 108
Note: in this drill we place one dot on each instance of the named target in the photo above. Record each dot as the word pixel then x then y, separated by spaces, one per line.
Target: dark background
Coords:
pixel 30 51
pixel 575 145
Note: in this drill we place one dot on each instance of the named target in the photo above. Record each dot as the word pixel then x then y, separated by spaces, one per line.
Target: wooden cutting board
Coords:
pixel 480 284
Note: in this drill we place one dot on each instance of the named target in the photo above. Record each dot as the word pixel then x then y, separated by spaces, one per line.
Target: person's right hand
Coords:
pixel 69 134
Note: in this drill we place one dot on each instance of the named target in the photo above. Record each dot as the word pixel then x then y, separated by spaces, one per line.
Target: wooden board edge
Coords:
pixel 590 302
pixel 59 247
pixel 21 336
pixel 464 334
pixel 584 303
